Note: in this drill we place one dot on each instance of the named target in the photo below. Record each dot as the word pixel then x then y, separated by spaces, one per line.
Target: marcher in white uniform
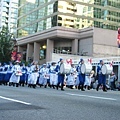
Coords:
pixel 44 75
pixel 34 75
pixel 112 80
pixel 53 75
pixel 28 74
pixel 71 77
pixel 88 79
pixel 15 77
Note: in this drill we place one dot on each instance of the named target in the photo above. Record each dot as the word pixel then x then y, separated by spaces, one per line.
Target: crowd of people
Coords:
pixel 34 75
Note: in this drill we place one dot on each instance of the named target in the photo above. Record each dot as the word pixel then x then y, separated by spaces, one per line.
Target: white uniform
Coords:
pixel 44 75
pixel 33 75
pixel 88 80
pixel 53 76
pixel 28 74
pixel 14 77
pixel 71 77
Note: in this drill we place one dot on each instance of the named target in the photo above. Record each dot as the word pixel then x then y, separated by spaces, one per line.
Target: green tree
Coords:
pixel 6 45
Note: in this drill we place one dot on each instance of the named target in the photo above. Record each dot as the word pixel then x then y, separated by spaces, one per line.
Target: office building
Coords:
pixel 9 14
pixel 45 26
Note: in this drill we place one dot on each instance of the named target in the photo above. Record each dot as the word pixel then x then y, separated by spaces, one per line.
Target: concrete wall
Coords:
pixel 104 42
pixel 62 43
pixel 86 46
pixel 105 50
pixel 105 37
pixel 56 57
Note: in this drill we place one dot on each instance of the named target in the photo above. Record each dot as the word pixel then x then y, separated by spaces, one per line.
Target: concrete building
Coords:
pixel 80 27
pixel 9 14
pixel 39 15
pixel 91 42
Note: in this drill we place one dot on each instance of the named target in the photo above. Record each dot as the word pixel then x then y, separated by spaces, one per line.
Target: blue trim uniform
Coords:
pixel 81 78
pixel 101 78
pixel 60 77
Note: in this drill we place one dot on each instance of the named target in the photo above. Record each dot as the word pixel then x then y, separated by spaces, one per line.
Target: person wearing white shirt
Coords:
pixel 15 77
pixel 44 75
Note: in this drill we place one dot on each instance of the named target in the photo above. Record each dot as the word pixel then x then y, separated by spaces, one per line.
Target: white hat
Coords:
pixel 17 61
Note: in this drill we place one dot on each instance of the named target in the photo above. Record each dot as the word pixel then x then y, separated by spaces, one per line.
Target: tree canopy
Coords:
pixel 6 45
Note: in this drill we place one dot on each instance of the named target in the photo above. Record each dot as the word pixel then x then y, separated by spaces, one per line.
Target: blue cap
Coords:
pixel 101 61
pixel 53 63
pixel 29 65
pixel 61 59
pixel 81 60
pixel 4 63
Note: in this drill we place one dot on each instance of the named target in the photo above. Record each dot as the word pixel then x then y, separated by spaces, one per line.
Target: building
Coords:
pixel 75 14
pixel 9 14
pixel 50 29
pixel 84 27
pixel 45 14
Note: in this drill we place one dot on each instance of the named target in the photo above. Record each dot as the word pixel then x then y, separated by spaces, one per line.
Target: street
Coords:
pixel 23 103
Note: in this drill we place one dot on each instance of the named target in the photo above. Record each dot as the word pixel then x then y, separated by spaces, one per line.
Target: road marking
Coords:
pixel 18 101
pixel 96 97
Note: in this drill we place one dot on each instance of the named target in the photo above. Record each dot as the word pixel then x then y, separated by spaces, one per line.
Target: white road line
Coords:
pixel 96 97
pixel 18 101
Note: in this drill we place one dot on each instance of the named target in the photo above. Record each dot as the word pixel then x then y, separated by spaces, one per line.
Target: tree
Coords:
pixel 6 45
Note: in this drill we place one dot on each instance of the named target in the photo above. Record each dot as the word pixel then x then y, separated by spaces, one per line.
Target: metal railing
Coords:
pixel 68 52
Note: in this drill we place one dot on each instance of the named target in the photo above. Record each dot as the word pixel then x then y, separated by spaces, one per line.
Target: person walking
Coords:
pixel 101 77
pixel 81 76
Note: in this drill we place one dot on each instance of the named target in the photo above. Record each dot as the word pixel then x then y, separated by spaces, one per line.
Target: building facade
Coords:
pixel 84 27
pixel 45 14
pixel 9 14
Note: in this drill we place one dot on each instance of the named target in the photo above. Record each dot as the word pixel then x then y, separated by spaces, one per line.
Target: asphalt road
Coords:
pixel 25 103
